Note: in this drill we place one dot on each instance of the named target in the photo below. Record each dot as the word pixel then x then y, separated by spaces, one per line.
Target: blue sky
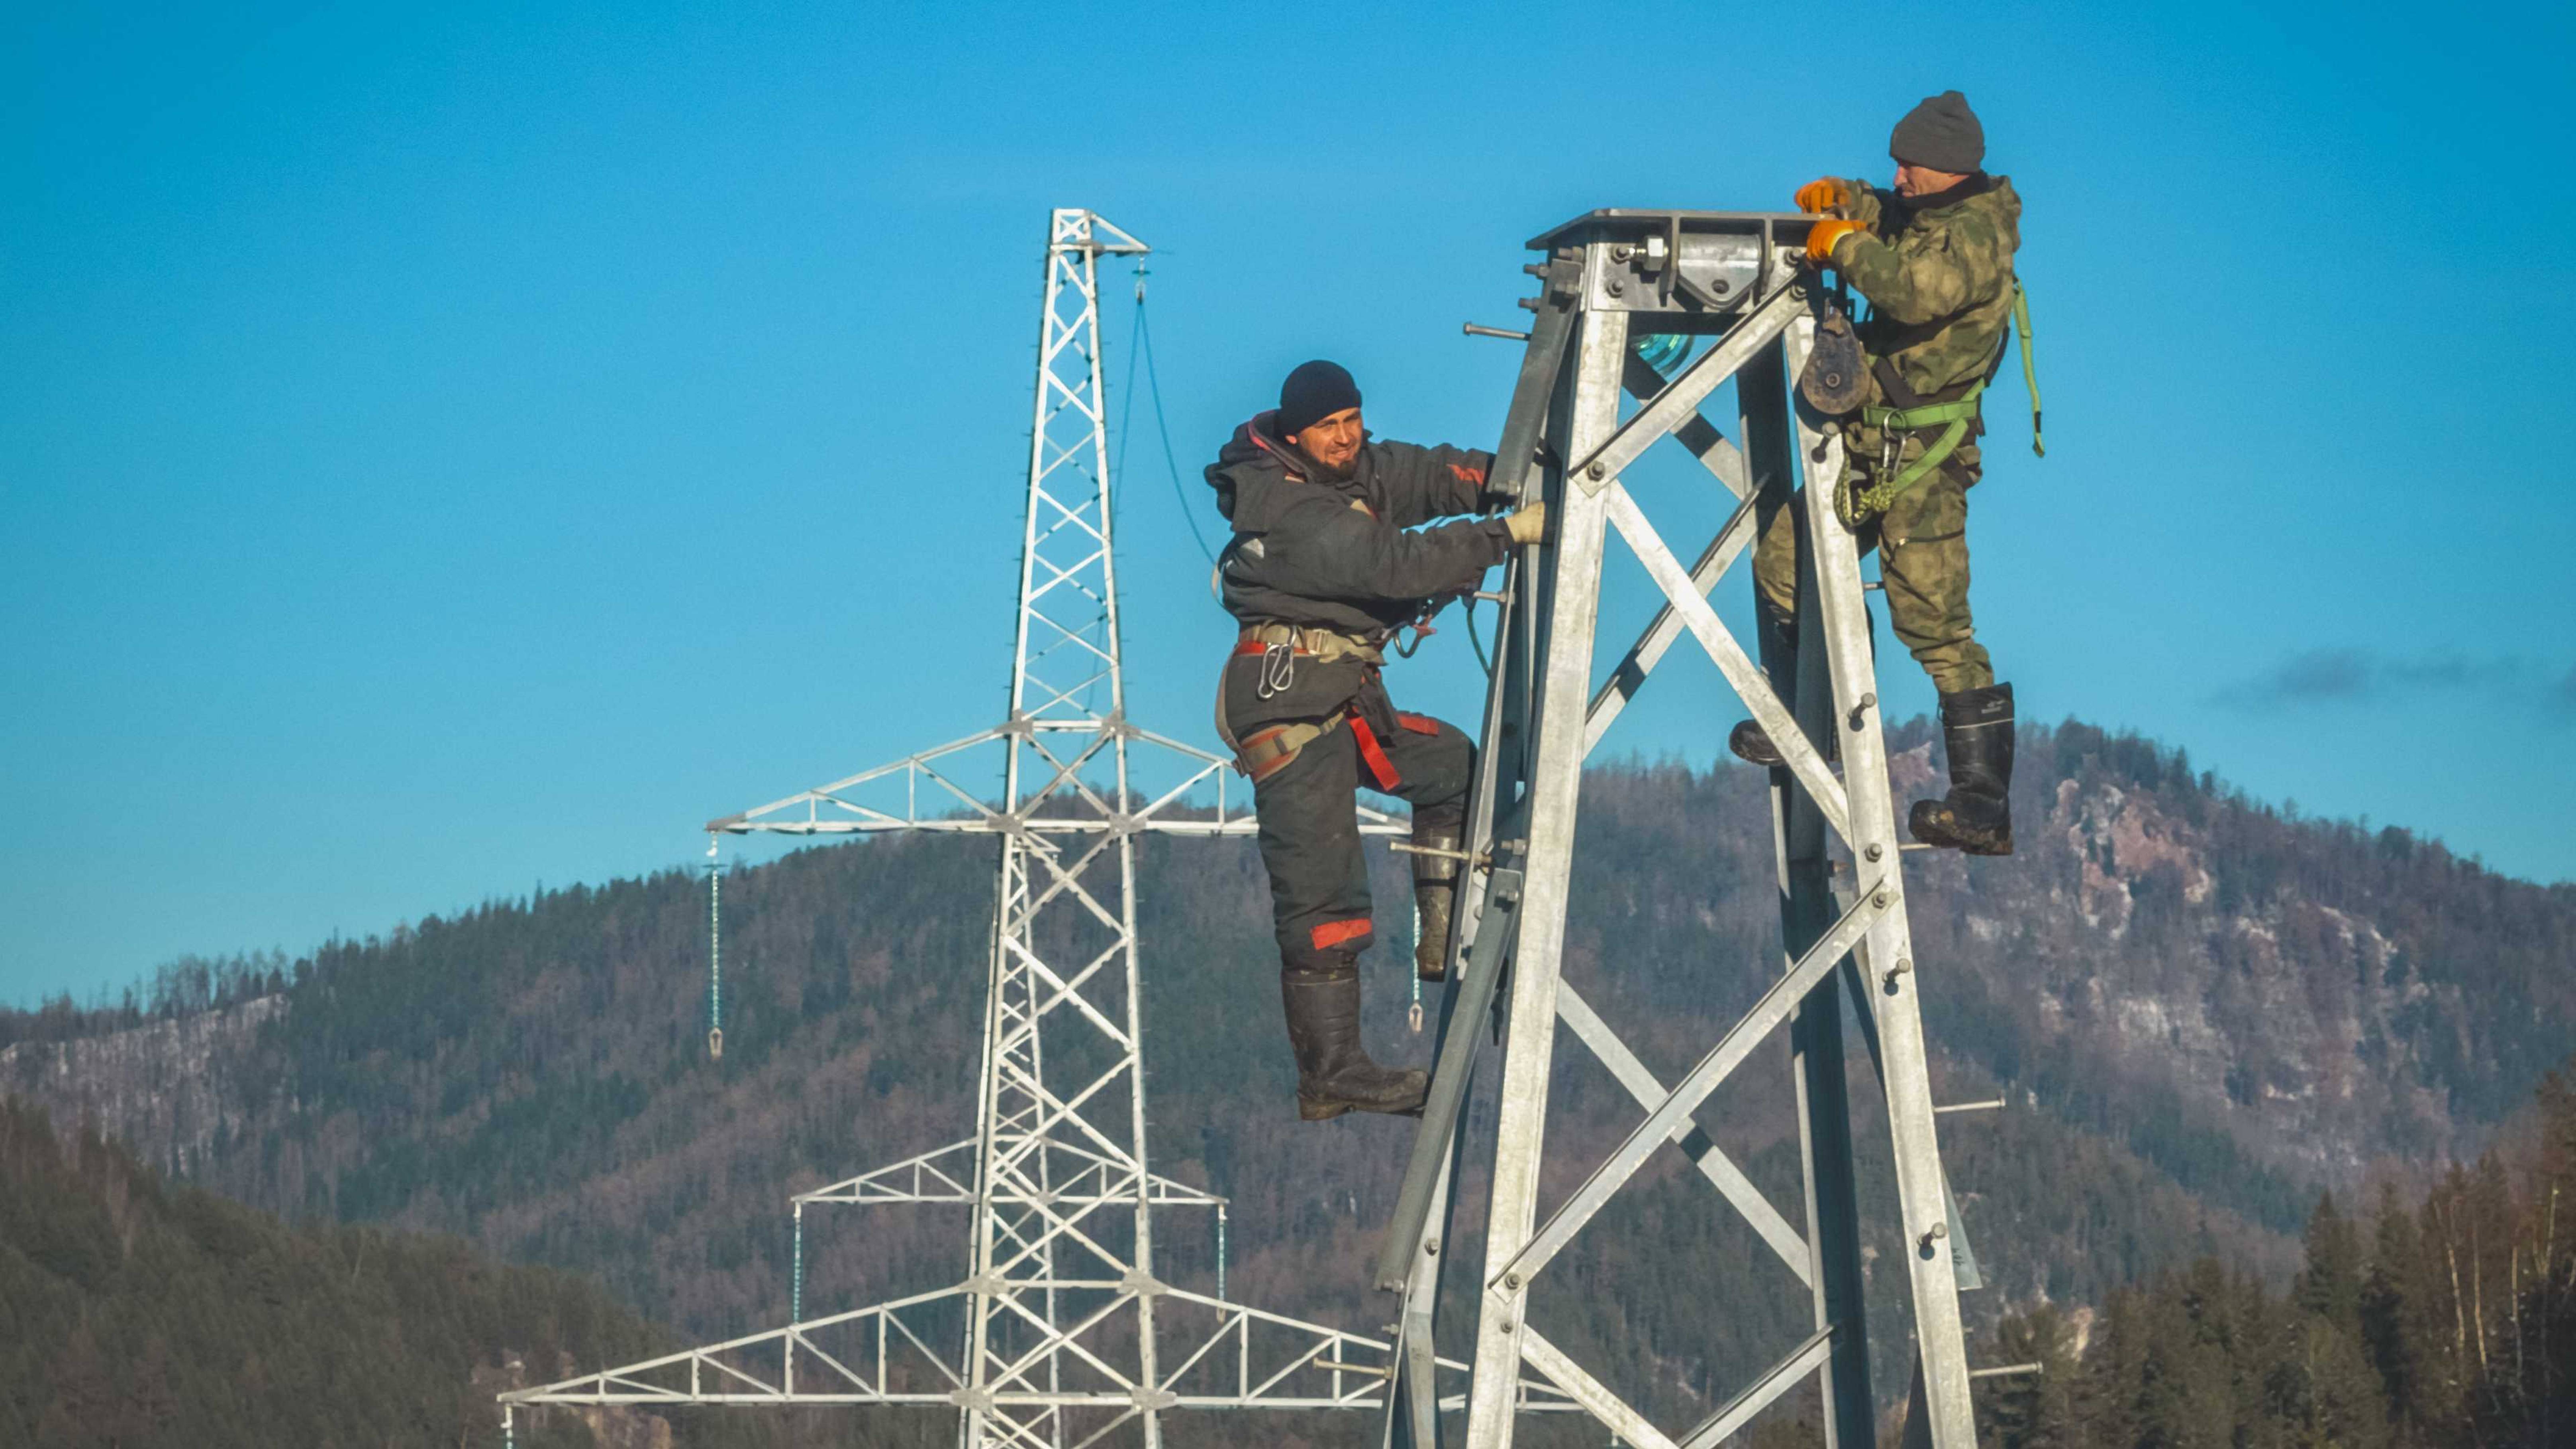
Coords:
pixel 451 448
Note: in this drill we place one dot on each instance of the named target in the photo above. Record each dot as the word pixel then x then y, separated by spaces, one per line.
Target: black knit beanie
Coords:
pixel 1941 133
pixel 1314 392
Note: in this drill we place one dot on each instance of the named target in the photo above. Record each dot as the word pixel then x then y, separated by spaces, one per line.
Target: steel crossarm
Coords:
pixel 945 1175
pixel 837 809
pixel 761 1367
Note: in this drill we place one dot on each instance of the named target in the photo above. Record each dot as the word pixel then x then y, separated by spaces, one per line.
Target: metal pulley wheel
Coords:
pixel 1836 378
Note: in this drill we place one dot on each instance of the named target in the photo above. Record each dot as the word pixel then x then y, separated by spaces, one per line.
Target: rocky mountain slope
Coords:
pixel 2203 1010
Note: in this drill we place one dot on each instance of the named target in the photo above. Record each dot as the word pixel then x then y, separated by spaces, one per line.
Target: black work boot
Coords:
pixel 1752 744
pixel 1976 816
pixel 1435 893
pixel 1334 1073
pixel 1748 740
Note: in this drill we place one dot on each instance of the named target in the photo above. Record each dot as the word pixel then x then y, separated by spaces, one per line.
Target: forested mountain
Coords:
pixel 145 1315
pixel 2446 1322
pixel 2203 1010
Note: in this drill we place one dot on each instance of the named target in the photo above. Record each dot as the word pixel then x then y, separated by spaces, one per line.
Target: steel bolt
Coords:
pixel 1617 287
pixel 1875 851
pixel 1512 1281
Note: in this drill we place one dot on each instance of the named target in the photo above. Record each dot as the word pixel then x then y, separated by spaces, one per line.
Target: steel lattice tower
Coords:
pixel 1067 1336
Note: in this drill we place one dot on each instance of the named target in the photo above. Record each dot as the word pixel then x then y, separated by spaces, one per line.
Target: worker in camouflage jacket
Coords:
pixel 1933 256
pixel 1326 564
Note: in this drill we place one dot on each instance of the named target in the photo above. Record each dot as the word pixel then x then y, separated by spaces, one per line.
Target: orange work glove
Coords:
pixel 1821 195
pixel 1822 237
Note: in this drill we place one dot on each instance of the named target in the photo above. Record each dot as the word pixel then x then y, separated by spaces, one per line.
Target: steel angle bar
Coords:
pixel 1680 398
pixel 1712 1162
pixel 1963 1254
pixel 1563 681
pixel 1921 1191
pixel 1639 662
pixel 1740 671
pixel 1551 337
pixel 1590 1394
pixel 1781 1377
pixel 1723 460
pixel 1677 1105
pixel 1497 931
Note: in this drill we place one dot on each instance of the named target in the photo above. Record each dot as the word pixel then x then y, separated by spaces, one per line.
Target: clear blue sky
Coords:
pixel 452 447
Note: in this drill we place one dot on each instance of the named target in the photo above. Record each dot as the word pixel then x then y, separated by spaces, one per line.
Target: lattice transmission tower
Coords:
pixel 1609 280
pixel 1060 1334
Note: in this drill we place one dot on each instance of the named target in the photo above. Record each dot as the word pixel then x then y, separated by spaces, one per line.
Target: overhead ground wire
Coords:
pixel 1140 343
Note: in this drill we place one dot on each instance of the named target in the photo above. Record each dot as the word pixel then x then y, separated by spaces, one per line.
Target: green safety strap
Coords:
pixel 2029 365
pixel 1953 418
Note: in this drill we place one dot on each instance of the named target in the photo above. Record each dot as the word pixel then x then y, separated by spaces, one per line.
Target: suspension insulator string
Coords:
pixel 1414 1016
pixel 715 953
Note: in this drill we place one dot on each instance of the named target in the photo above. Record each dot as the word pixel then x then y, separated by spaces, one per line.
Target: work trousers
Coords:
pixel 1922 542
pixel 1310 832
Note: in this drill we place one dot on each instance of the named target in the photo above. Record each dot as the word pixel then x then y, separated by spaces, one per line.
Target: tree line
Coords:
pixel 2450 1321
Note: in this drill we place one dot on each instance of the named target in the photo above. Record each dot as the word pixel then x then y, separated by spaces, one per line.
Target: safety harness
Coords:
pixel 1953 416
pixel 1267 751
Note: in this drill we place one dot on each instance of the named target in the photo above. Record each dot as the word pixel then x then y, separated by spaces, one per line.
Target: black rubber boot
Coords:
pixel 1748 740
pixel 1976 816
pixel 1334 1073
pixel 1752 744
pixel 1435 894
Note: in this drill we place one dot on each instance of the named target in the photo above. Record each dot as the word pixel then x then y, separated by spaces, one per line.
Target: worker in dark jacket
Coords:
pixel 1324 567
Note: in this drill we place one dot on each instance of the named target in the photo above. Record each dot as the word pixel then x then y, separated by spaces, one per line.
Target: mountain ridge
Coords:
pixel 2206 1010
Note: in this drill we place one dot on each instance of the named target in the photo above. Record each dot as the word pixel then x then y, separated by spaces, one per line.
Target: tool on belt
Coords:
pixel 1955 417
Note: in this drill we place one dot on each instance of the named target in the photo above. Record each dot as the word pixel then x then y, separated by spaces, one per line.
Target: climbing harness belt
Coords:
pixel 1265 752
pixel 1954 418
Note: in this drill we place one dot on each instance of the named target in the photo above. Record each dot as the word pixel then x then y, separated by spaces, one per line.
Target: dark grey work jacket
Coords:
pixel 1303 555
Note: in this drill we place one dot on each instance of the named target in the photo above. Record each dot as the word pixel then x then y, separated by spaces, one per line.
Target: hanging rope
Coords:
pixel 715 953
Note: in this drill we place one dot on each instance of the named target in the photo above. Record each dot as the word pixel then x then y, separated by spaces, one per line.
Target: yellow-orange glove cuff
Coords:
pixel 1824 236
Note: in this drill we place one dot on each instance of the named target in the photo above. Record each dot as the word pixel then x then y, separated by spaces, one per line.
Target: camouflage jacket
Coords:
pixel 1939 280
